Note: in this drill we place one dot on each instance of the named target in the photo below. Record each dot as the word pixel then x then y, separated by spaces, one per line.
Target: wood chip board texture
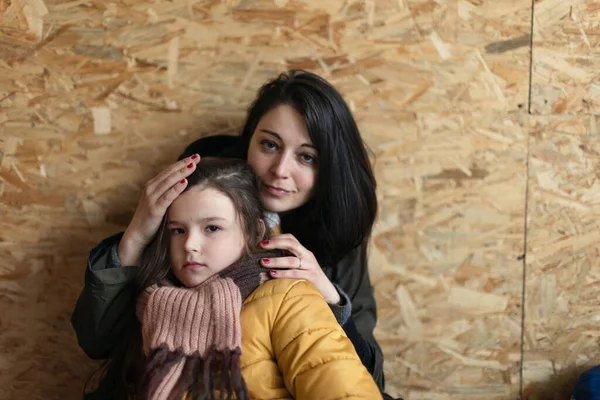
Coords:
pixel 563 275
pixel 97 97
pixel 566 55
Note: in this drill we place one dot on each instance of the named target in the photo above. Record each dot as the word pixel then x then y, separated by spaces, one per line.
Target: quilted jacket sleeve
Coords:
pixel 317 359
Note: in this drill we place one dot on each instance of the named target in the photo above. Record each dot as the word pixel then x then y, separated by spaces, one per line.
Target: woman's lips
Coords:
pixel 275 191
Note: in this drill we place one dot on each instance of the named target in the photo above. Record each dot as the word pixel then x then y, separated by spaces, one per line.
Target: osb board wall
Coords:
pixel 96 97
pixel 566 48
pixel 561 324
pixel 561 329
pixel 449 276
pixel 446 256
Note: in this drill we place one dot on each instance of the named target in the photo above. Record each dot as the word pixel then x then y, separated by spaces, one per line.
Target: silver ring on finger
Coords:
pixel 300 264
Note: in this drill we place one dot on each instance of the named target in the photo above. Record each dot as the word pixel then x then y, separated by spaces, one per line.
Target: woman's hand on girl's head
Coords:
pixel 302 265
pixel 157 196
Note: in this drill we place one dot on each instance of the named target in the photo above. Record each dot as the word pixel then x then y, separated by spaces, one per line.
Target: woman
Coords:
pixel 314 172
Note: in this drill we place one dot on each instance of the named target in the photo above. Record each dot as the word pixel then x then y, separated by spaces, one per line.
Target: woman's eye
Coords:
pixel 308 158
pixel 176 231
pixel 212 228
pixel 268 144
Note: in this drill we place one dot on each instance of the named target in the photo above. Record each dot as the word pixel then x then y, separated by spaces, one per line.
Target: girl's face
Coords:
pixel 284 159
pixel 206 235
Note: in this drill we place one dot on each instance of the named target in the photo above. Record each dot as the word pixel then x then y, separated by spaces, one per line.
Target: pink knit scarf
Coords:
pixel 192 337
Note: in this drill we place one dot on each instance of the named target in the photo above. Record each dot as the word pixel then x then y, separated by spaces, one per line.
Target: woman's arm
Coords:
pixel 315 356
pixel 351 277
pixel 107 301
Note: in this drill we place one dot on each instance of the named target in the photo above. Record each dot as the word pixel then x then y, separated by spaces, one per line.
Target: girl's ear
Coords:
pixel 262 229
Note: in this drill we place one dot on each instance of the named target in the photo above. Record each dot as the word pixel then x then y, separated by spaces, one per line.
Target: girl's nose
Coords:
pixel 192 243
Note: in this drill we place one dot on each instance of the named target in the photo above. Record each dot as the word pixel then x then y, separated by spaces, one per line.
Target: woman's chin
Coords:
pixel 278 205
pixel 273 205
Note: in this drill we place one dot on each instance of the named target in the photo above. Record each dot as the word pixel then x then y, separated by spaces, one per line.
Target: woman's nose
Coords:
pixel 281 166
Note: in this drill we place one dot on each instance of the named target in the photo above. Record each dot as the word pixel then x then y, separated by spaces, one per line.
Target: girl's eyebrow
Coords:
pixel 279 137
pixel 208 219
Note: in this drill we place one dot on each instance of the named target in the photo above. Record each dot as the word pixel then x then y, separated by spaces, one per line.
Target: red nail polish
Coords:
pixel 182 181
pixel 273 272
pixel 264 242
pixel 266 260
pixel 190 165
pixel 194 156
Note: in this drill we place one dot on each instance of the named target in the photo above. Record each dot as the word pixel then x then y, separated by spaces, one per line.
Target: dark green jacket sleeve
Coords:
pixel 106 303
pixel 359 327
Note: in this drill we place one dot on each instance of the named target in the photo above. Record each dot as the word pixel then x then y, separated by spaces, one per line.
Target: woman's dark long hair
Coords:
pixel 121 374
pixel 340 216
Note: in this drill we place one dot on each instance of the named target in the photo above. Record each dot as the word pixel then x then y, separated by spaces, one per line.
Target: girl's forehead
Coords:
pixel 200 204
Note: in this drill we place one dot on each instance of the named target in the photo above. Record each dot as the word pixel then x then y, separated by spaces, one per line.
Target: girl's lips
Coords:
pixel 193 265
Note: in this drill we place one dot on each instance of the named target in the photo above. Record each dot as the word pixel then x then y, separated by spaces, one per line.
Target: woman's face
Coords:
pixel 284 159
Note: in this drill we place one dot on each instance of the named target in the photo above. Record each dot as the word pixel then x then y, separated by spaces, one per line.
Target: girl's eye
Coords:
pixel 308 158
pixel 176 231
pixel 212 228
pixel 268 144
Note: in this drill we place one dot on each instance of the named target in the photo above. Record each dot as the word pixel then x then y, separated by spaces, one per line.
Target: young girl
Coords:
pixel 214 324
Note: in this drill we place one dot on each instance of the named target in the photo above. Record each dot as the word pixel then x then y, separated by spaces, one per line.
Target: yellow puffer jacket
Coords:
pixel 293 348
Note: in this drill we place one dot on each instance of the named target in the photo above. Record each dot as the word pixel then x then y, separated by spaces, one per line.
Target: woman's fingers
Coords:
pixel 169 178
pixel 289 274
pixel 175 168
pixel 281 262
pixel 164 201
pixel 303 266
pixel 285 236
pixel 285 242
